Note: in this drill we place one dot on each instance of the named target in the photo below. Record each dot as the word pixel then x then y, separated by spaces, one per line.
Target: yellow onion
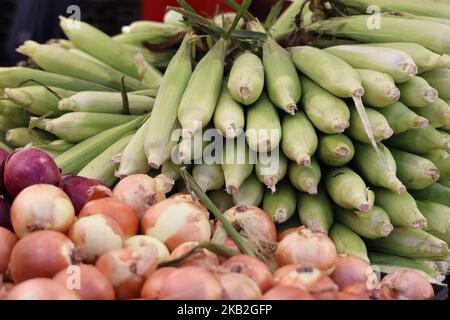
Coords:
pixel 360 289
pixel 141 244
pixel 350 269
pixel 153 285
pixel 7 242
pixel 237 286
pixel 304 277
pixel 285 233
pixel 41 289
pixel 287 293
pixel 405 285
pixel 202 257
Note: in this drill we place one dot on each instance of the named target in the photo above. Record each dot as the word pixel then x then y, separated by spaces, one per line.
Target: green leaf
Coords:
pixel 240 13
pixel 274 14
pixel 235 6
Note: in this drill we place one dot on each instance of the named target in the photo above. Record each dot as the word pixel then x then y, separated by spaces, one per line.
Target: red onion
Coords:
pixel 405 285
pixel 41 289
pixel 5 217
pixel 3 156
pixel 77 188
pixel 27 167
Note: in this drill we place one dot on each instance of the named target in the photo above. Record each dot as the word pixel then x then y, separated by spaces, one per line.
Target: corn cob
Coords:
pixel 348 242
pixel 229 116
pixel 371 225
pixel 438 216
pixel 149 75
pixel 304 178
pixel 315 211
pixel 380 90
pixel 335 150
pixel 237 164
pixel 439 79
pixel 208 176
pixel 348 190
pixel 377 173
pixel 379 124
pixel 13 77
pixel 156 59
pixel 271 170
pixel 173 18
pixel 20 137
pixel 417 92
pixel 150 31
pixel 328 113
pixel 286 23
pixel 250 193
pixel 441 159
pixel 190 149
pixel 222 200
pixel 15 112
pixel 55 147
pixel 164 113
pixel 263 131
pixel 436 192
pixel 400 118
pixel 102 167
pixel 197 107
pixel 437 113
pixel 410 243
pixel 85 55
pixel 420 140
pixel 280 205
pixel 246 81
pixel 415 171
pixel 299 140
pixel 171 170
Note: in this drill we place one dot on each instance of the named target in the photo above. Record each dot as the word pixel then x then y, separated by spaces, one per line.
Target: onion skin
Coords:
pixel 5 214
pixel 285 233
pixel 191 283
pixel 287 293
pixel 41 207
pixel 41 254
pixel 27 167
pixel 202 258
pixel 140 244
pixel 350 269
pixel 252 268
pixel 338 296
pixel 304 277
pixel 153 285
pixel 305 247
pixel 405 285
pixel 93 285
pixel 5 288
pixel 237 286
pixel 116 210
pixel 359 289
pixel 3 156
pixel 78 189
pixel 41 289
pixel 7 242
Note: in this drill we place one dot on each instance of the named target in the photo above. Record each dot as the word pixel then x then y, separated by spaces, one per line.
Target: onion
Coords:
pixel 237 286
pixel 3 156
pixel 141 243
pixel 287 293
pixel 78 189
pixel 153 285
pixel 285 233
pixel 41 207
pixel 5 216
pixel 175 221
pixel 350 269
pixel 7 242
pixel 41 289
pixel 95 235
pixel 41 254
pixel 252 268
pixel 338 296
pixel 358 288
pixel 27 167
pixel 305 247
pixel 127 271
pixel 5 288
pixel 191 283
pixel 87 281
pixel 202 258
pixel 405 285
pixel 187 197
pixel 304 277
pixel 117 211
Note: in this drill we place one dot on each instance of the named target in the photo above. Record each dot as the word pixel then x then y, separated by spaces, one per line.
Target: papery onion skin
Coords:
pixel 7 242
pixel 140 243
pixel 41 289
pixel 191 283
pixel 285 233
pixel 350 269
pixel 117 211
pixel 154 283
pixel 78 189
pixel 287 293
pixel 41 207
pixel 203 258
pixel 237 286
pixel 304 277
pixel 87 282
pixel 27 167
pixel 3 156
pixel 405 285
pixel 41 254
pixel 5 214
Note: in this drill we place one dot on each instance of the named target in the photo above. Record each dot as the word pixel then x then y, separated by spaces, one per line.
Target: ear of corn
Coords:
pixel 20 137
pixel 156 59
pixel 208 176
pixel 15 112
pixel 86 56
pixel 237 165
pixel 441 159
pixel 416 92
pixel 190 149
pixel 171 170
pixel 420 140
pixel 379 88
pixel 440 80
pixel 6 124
pixel 436 192
pixel 415 171
pixel 286 22
pixel 335 150
pixel 380 126
pixel 149 75
pixel 250 193
pixel 271 170
pixel 150 31
pixel 438 215
pixel 328 113
pixel 305 178
pixel 315 211
pixel 229 116
pixel 280 205
pixel 400 118
pixel 348 242
pixel 437 113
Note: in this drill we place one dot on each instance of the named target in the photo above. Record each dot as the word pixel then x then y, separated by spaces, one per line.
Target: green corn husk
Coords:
pixel 402 208
pixel 75 127
pixel 225 20
pixel 222 200
pixel 237 163
pixel 86 56
pixel 6 124
pixel 103 167
pixel 208 176
pixel 315 211
pixel 250 193
pixel 415 171
pixel 410 243
pixel 149 31
pixel 380 90
pixel 229 116
pixel 304 178
pixel 4 146
pixel 54 148
pixel 348 190
pixel 375 171
pixel 246 81
pixel 299 139
pixel 371 225
pixel 106 102
pixel 165 111
pixel 148 74
pixel 172 171
pixel 271 170
pixel 20 137
pixel 13 77
pixel 348 242
pixel 416 92
pixel 437 113
pixel 436 192
pixel 420 140
pixel 286 24
pixel 400 118
pixel 439 79
pixel 438 216
pixel 76 158
pixel 379 124
pixel 441 159
pixel 203 90
pixel 157 59
pixel 335 150
pixel 190 149
pixel 263 131
pixel 15 112
pixel 328 113
pixel 38 100
pixel 280 205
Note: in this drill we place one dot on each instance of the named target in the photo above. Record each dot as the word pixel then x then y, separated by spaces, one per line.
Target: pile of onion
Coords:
pixel 41 289
pixel 405 285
